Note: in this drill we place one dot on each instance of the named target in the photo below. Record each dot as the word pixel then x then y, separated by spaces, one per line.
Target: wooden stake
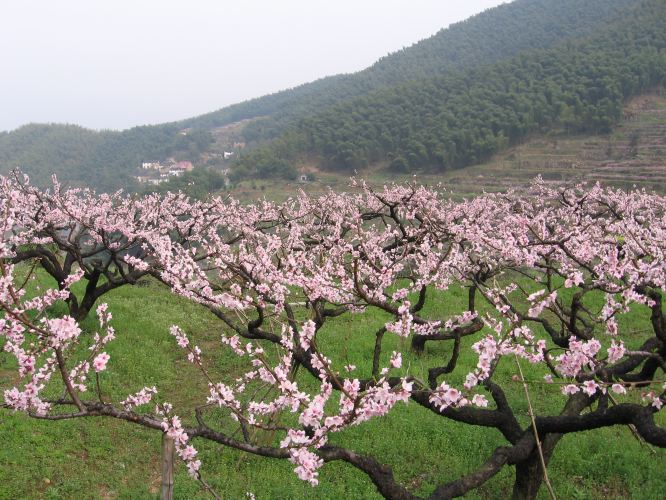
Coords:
pixel 168 448
pixel 546 480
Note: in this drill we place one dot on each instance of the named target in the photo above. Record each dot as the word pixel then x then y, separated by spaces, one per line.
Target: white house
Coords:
pixel 148 165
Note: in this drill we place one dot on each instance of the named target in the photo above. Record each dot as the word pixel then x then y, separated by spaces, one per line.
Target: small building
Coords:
pixel 183 165
pixel 151 165
pixel 228 154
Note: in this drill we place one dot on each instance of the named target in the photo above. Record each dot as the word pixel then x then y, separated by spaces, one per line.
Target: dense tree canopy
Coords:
pixel 494 35
pixel 463 118
pixel 105 160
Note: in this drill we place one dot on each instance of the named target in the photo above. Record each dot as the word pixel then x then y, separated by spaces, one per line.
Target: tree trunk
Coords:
pixel 168 448
pixel 529 473
pixel 418 343
pixel 529 477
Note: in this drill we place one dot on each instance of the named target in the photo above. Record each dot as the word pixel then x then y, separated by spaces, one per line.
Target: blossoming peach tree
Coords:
pixel 548 276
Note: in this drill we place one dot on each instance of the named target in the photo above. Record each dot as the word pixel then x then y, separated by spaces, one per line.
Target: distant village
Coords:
pixel 156 173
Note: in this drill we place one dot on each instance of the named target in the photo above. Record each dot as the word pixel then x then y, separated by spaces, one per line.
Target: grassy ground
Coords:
pixel 104 458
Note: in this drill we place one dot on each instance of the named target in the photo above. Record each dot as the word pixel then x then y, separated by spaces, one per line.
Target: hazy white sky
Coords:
pixel 120 63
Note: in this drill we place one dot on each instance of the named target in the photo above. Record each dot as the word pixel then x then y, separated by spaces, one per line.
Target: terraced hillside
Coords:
pixel 633 154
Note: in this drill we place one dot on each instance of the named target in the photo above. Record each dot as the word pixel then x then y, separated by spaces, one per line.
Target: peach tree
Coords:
pixel 549 276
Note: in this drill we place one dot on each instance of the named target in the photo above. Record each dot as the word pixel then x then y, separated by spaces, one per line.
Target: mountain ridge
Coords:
pixel 460 119
pixel 107 160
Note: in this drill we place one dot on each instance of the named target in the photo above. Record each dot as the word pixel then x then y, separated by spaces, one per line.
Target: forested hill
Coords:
pixel 486 38
pixel 392 111
pixel 493 35
pixel 105 160
pixel 464 117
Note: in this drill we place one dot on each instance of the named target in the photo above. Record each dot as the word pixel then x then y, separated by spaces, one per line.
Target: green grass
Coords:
pixel 105 458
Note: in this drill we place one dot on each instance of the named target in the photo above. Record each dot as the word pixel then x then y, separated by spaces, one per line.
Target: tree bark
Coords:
pixel 529 472
pixel 529 477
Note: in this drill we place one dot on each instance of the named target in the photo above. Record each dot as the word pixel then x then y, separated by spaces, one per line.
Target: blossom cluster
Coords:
pixel 275 274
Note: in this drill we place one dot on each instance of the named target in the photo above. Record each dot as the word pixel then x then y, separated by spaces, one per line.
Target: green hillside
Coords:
pixel 632 155
pixel 465 117
pixel 486 38
pixel 448 101
pixel 104 160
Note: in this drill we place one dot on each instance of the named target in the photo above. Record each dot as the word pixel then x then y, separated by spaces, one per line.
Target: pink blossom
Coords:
pixel 470 381
pixel 193 467
pixel 144 396
pixel 615 352
pixel 654 400
pixel 307 334
pixel 445 396
pixel 99 363
pixel 307 464
pixel 570 389
pixel 64 329
pixel 618 389
pixel 590 387
pixel 479 400
pixel 396 359
pixel 188 453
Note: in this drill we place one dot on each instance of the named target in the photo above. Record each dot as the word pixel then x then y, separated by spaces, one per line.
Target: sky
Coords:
pixel 107 64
